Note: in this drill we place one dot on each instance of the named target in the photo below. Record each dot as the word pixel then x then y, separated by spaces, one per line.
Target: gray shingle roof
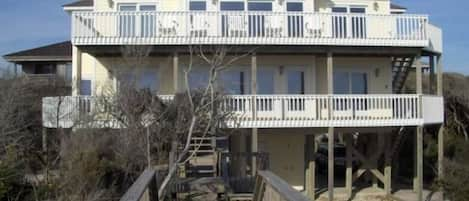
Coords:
pixel 59 51
pixel 395 6
pixel 81 3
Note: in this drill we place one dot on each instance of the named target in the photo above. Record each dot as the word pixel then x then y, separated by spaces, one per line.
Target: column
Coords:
pixel 330 91
pixel 254 133
pixel 349 170
pixel 418 75
pixel 176 72
pixel 76 73
pixel 441 130
pixel 330 169
pixel 254 84
pixel 388 164
pixel 254 149
pixel 419 163
pixel 311 168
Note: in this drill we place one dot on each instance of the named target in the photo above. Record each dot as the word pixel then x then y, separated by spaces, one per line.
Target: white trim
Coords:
pixel 78 8
pixel 137 4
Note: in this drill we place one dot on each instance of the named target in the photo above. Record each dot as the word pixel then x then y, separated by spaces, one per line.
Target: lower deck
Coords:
pixel 366 162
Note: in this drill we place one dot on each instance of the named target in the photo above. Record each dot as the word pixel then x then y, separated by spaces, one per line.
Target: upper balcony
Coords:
pixel 250 28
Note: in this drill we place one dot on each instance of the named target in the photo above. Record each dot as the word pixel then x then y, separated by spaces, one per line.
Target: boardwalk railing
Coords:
pixel 270 187
pixel 144 188
pixel 248 27
pixel 271 111
pixel 237 169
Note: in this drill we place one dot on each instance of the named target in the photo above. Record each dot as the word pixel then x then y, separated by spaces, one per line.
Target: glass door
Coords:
pixel 358 22
pixel 131 24
pixel 127 20
pixel 148 21
pixel 257 20
pixel 232 22
pixel 198 19
pixel 295 19
pixel 349 22
pixel 339 22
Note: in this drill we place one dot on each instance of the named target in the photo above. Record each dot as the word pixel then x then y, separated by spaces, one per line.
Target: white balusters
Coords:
pixel 286 110
pixel 248 27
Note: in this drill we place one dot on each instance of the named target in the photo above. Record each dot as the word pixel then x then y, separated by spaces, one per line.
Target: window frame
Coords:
pixel 262 2
pixel 295 1
pixel 191 1
pixel 138 75
pixel 232 1
pixel 350 82
pixel 302 69
pixel 348 8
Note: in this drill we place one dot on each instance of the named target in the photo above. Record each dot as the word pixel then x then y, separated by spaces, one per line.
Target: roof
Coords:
pixel 54 52
pixel 80 3
pixel 397 7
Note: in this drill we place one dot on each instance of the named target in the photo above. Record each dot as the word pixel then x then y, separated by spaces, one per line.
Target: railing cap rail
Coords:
pixel 247 12
pixel 282 187
pixel 138 188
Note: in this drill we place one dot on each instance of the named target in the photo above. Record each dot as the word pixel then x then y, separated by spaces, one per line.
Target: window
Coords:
pixel 339 9
pixel 296 82
pixel 359 83
pixel 198 78
pixel 295 21
pixel 295 6
pixel 142 79
pixel 357 10
pixel 85 87
pixel 265 81
pixel 233 82
pixel 350 83
pixel 341 83
pixel 197 5
pixel 45 69
pixel 68 72
pixel 232 6
pixel 260 6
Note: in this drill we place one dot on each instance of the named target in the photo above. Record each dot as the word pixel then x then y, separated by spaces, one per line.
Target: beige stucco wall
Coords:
pixel 102 71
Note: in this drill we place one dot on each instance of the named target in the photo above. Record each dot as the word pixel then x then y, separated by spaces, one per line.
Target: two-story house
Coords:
pixel 334 67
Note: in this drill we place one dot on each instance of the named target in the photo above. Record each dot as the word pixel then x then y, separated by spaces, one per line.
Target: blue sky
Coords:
pixel 30 23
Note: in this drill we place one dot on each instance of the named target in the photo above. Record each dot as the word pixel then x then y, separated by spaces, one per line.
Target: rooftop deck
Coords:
pixel 252 28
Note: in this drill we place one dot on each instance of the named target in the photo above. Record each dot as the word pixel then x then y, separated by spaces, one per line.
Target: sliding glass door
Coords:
pixel 295 19
pixel 131 25
pixel 257 21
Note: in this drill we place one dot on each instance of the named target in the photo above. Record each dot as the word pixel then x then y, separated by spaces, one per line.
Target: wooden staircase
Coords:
pixel 401 66
pixel 204 162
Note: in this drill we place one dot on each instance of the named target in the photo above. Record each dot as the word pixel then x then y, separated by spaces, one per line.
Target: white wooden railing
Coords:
pixel 248 27
pixel 271 111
